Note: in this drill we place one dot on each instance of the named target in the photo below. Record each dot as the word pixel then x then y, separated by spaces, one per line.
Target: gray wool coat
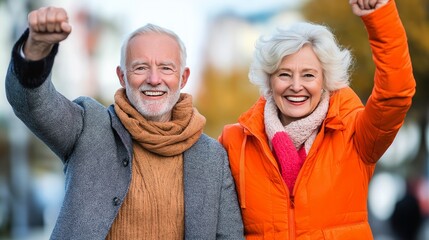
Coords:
pixel 97 154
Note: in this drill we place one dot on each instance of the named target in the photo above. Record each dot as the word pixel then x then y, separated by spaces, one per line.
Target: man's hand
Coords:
pixel 48 26
pixel 364 7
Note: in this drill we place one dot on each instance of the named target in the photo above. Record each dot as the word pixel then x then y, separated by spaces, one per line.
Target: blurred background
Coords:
pixel 220 36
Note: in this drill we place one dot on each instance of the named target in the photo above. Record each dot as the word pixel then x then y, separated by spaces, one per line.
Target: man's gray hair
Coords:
pixel 152 28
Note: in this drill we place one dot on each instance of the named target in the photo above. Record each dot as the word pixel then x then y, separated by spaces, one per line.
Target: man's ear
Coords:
pixel 185 76
pixel 121 76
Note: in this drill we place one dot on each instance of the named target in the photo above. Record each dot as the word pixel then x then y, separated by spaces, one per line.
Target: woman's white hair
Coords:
pixel 152 28
pixel 269 52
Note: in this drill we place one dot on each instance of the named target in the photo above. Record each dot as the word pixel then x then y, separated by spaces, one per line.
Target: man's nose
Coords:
pixel 153 77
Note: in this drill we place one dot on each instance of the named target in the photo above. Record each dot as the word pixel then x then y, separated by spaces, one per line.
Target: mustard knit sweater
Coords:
pixel 154 206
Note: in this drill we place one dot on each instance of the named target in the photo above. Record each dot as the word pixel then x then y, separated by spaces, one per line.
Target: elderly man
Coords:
pixel 139 169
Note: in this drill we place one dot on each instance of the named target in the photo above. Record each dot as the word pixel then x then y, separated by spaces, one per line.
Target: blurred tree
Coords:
pixel 223 96
pixel 351 34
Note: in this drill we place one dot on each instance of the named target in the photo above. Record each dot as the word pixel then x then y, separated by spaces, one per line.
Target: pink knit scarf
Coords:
pixel 291 143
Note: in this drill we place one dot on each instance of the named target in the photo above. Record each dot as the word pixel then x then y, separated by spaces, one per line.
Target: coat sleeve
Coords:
pixel 230 225
pixel 394 84
pixel 211 206
pixel 56 120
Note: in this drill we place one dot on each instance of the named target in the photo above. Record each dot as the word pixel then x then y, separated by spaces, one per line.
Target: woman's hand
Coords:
pixel 364 7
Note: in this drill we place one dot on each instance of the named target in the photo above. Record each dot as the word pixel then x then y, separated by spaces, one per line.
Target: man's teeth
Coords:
pixel 296 99
pixel 153 93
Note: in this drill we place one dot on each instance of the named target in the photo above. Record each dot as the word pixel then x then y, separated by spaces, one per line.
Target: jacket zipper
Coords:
pixel 292 226
pixel 292 217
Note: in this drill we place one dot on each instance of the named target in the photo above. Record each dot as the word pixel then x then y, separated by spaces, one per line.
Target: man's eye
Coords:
pixel 140 70
pixel 167 70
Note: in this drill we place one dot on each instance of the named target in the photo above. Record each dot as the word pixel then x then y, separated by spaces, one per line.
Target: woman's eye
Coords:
pixel 284 75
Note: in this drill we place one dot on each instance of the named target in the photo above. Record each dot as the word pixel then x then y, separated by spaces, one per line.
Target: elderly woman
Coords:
pixel 302 157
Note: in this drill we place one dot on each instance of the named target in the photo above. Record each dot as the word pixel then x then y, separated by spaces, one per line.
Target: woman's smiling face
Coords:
pixel 297 84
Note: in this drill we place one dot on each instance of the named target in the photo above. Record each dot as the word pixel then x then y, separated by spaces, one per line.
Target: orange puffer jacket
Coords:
pixel 329 200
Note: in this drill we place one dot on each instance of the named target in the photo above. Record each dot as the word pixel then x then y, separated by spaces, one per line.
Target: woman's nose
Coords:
pixel 296 84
